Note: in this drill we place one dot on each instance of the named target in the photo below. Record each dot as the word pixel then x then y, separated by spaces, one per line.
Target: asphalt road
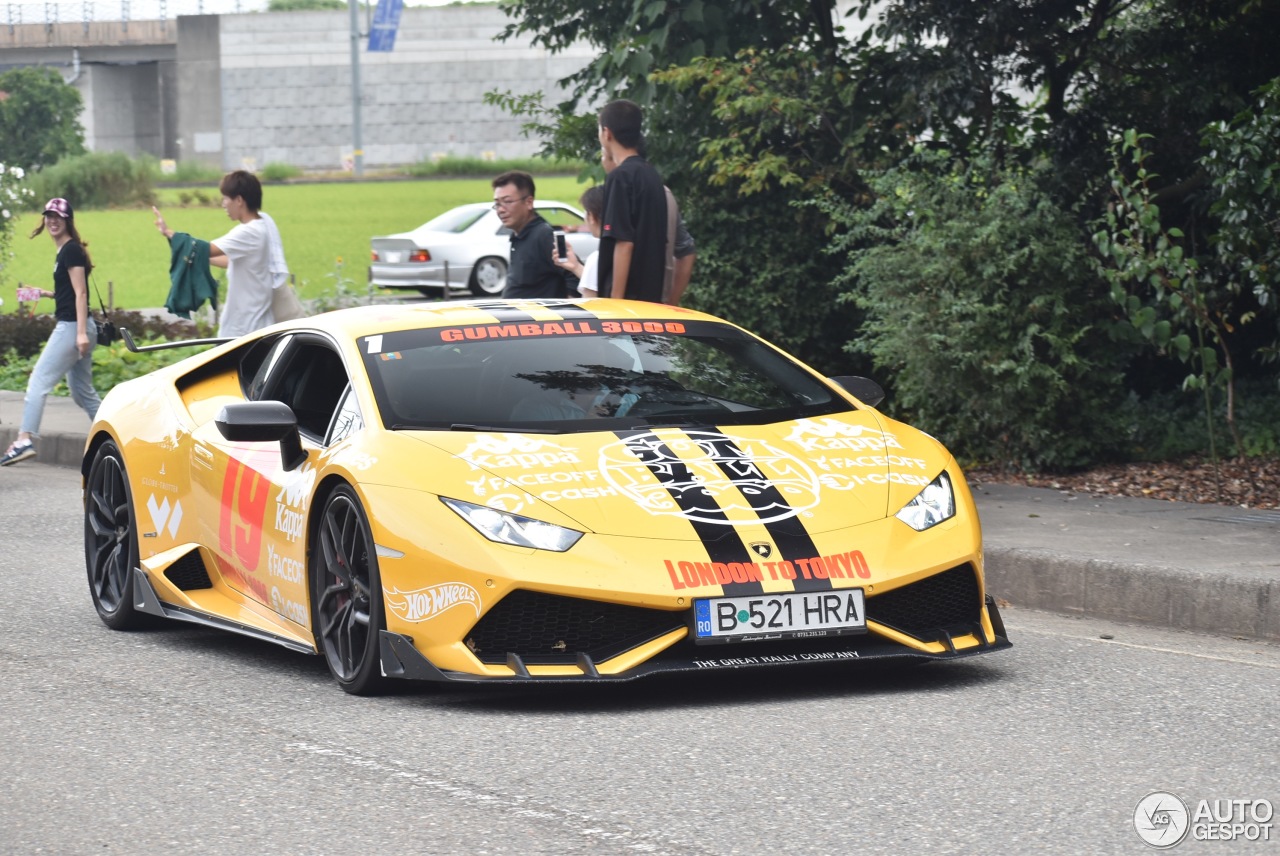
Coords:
pixel 188 741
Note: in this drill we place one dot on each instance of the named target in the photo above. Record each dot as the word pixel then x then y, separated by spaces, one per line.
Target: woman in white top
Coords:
pixel 252 253
pixel 592 203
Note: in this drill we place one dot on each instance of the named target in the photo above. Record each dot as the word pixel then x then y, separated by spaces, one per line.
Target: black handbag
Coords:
pixel 107 332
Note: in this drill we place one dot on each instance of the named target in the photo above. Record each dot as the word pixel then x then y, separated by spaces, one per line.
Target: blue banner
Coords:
pixel 386 21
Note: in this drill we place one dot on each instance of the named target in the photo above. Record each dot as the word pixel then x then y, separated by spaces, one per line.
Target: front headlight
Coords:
pixel 506 528
pixel 931 506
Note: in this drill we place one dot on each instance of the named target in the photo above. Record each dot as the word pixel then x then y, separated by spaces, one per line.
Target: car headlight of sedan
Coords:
pixel 503 527
pixel 931 506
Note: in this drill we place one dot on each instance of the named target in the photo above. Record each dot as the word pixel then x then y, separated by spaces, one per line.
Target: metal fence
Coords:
pixel 90 11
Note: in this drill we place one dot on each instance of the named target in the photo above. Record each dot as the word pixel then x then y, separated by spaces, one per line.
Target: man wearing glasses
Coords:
pixel 532 273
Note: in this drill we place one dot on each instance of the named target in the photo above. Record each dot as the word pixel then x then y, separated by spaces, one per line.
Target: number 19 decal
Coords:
pixel 247 491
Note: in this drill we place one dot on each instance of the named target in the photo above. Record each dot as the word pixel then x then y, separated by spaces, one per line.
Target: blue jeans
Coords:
pixel 60 358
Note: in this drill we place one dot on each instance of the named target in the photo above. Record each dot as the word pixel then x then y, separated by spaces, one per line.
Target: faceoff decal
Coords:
pixel 425 604
pixel 858 455
pixel 538 461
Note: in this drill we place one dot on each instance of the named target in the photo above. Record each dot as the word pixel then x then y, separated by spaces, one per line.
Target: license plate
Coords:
pixel 784 615
pixel 393 257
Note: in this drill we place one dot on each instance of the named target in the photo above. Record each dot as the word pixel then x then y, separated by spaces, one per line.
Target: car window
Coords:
pixel 257 365
pixel 508 376
pixel 348 419
pixel 455 220
pixel 561 217
pixel 310 377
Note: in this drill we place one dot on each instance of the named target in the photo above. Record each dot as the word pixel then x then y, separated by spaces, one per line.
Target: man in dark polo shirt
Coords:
pixel 633 238
pixel 532 273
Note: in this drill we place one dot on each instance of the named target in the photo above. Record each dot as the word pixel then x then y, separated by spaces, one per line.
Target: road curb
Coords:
pixel 60 450
pixel 1219 602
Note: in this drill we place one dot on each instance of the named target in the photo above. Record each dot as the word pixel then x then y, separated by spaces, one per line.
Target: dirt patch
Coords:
pixel 1251 483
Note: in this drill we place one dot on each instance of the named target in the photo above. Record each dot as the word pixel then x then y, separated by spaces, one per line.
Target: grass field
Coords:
pixel 326 230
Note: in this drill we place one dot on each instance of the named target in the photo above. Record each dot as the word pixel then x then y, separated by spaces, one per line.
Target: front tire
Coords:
pixel 489 277
pixel 347 593
pixel 111 541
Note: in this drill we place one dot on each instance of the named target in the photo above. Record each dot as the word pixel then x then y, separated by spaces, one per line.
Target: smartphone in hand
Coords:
pixel 562 250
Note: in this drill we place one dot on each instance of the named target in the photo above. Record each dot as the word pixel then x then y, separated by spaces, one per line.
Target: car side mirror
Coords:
pixel 264 422
pixel 864 389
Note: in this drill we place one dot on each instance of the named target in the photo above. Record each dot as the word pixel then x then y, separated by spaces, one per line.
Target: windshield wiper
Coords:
pixel 503 429
pixel 672 423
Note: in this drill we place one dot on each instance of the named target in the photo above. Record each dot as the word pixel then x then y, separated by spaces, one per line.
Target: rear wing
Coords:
pixel 163 346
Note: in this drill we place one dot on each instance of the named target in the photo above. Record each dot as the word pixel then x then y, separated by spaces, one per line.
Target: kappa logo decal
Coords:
pixel 503 451
pixel 830 434
pixel 426 603
pixel 702 476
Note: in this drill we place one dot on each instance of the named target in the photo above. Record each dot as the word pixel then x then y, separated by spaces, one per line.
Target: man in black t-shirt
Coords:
pixel 633 240
pixel 531 272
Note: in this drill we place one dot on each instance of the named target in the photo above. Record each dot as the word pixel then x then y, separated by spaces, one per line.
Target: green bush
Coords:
pixel 95 180
pixel 993 331
pixel 186 172
pixel 24 335
pixel 455 166
pixel 280 172
pixel 1171 425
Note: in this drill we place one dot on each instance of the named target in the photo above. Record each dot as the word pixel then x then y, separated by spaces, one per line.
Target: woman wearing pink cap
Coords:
pixel 69 351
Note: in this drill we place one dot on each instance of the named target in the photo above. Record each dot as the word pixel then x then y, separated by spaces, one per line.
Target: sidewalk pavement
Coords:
pixel 1206 568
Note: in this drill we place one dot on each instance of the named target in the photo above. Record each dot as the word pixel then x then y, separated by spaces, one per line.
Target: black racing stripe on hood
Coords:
pixel 721 540
pixel 571 311
pixel 504 313
pixel 789 535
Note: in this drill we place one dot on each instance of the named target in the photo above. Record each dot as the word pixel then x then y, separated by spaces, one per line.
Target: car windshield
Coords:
pixel 587 375
pixel 456 220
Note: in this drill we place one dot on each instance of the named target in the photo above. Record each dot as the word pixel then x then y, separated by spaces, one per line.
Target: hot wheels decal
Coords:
pixel 427 603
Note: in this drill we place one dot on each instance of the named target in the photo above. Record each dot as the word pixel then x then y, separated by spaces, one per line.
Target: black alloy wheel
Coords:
pixel 111 540
pixel 347 594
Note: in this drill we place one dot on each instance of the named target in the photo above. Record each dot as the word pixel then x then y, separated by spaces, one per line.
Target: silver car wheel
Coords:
pixel 489 277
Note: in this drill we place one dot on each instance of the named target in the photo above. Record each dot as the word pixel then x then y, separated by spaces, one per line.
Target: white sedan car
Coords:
pixel 466 248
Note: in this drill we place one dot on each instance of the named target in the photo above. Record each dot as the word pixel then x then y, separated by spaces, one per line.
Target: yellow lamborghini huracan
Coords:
pixel 524 491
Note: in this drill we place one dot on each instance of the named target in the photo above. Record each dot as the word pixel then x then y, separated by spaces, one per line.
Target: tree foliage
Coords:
pixel 1244 171
pixel 982 306
pixel 39 117
pixel 781 127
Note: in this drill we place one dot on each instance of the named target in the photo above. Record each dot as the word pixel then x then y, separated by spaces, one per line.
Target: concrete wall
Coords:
pixel 230 90
pixel 198 99
pixel 286 93
pixel 123 112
